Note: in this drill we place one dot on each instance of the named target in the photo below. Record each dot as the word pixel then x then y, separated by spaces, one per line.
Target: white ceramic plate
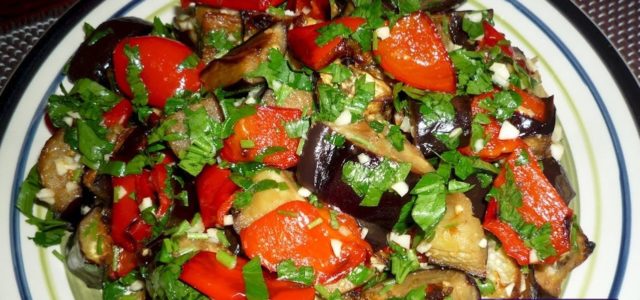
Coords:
pixel 589 80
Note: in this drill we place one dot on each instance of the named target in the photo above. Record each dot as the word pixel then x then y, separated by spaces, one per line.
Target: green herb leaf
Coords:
pixel 326 294
pixel 287 270
pixel 329 32
pixel 403 262
pixel 339 72
pixel 430 204
pixel 503 104
pixel 98 35
pixel 280 77
pixel 418 293
pixel 92 147
pixel 297 128
pixel 161 29
pixel 222 41
pixel 396 137
pixel 360 275
pixel 473 29
pixel 191 62
pixel 407 6
pixel 474 77
pixel 370 182
pixel 138 88
pixel 485 286
pixel 255 286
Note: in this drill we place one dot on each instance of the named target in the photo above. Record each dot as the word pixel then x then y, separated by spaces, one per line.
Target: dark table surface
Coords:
pixel 21 25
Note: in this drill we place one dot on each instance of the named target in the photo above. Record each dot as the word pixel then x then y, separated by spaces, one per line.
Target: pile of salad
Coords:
pixel 306 149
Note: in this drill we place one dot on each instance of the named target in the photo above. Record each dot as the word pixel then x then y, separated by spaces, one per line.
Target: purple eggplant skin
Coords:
pixel 457 35
pixel 434 6
pixel 320 171
pixel 558 177
pixel 93 59
pixel 529 126
pixel 424 133
pixel 477 196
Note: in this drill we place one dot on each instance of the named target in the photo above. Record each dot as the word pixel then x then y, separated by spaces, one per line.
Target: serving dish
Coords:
pixel 598 126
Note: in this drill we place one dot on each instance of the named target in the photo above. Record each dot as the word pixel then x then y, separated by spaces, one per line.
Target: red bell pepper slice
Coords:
pixel 159 182
pixel 286 233
pixel 260 5
pixel 119 114
pixel 512 243
pixel 207 275
pixel 163 71
pixel 302 42
pixel 265 129
pixel 415 55
pixel 541 204
pixel 493 37
pixel 532 106
pixel 124 262
pixel 124 211
pixel 215 194
pixel 318 9
pixel 494 148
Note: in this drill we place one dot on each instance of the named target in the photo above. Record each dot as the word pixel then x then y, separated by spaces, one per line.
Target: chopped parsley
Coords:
pixel 370 182
pixel 509 199
pixel 287 270
pixel 503 104
pixel 329 32
pixel 191 62
pixel 333 101
pixel 473 29
pixel 222 41
pixel 474 77
pixel 162 29
pixel 138 88
pixel 360 275
pixel 280 77
pixel 339 72
pixel 255 286
pixel 50 229
pixel 403 262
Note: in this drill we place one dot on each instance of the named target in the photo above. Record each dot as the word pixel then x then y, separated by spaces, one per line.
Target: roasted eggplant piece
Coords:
pixel 549 277
pixel 539 145
pixel 320 171
pixel 558 177
pixel 442 283
pixel 477 196
pixel 383 94
pixel 60 171
pixel 210 21
pixel 453 35
pixel 505 274
pixel 425 131
pixel 266 201
pixel 361 135
pixel 529 126
pixel 235 65
pixel 298 99
pixel 439 5
pixel 90 249
pixel 458 238
pixel 93 59
pixel 179 126
pixel 94 237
